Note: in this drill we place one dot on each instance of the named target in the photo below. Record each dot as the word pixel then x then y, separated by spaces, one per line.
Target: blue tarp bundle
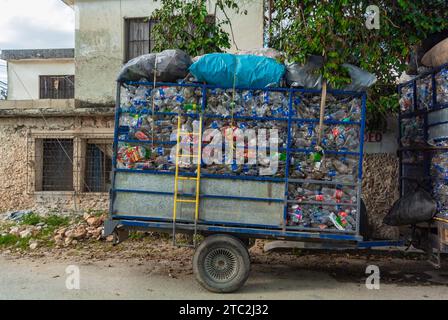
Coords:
pixel 249 71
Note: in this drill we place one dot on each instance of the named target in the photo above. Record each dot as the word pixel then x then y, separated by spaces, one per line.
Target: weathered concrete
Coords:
pixel 18 154
pixel 21 54
pixel 100 47
pixel 23 75
pixel 52 107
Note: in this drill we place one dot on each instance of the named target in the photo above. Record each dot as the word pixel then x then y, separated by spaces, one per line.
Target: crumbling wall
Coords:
pixel 15 165
pixel 380 189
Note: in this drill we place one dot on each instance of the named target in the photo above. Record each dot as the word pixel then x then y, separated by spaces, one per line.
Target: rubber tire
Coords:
pixel 230 243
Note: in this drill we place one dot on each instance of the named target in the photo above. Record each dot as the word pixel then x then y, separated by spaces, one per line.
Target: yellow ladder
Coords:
pixel 177 178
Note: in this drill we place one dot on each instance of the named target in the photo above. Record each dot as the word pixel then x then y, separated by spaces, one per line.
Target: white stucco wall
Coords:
pixel 99 37
pixel 383 142
pixel 23 75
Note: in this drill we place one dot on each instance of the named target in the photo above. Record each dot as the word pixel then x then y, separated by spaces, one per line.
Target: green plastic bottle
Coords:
pixel 190 107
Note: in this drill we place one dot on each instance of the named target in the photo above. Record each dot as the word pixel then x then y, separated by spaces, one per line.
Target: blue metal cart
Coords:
pixel 423 123
pixel 235 207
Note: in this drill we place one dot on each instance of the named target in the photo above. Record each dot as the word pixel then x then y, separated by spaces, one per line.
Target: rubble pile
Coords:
pixel 90 227
pixel 27 229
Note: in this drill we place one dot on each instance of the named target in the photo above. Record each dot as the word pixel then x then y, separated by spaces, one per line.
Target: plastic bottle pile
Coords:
pixel 148 132
pixel 413 135
pixel 439 172
pixel 442 86
pixel 307 212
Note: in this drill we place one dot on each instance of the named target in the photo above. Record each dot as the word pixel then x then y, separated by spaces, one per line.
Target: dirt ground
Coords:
pixel 36 247
pixel 397 267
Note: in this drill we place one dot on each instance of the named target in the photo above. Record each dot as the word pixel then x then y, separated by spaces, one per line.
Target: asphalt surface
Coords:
pixel 46 278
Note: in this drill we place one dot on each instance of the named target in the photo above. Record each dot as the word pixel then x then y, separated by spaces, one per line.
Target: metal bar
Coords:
pixel 187 178
pixel 324 203
pixel 400 155
pixel 198 176
pixel 188 144
pixel 299 150
pixel 386 243
pixel 267 89
pixel 361 139
pixel 188 156
pixel 311 181
pixel 212 116
pixel 211 196
pixel 327 122
pixel 249 231
pixel 436 124
pixel 220 223
pixel 176 182
pixel 115 147
pixel 206 175
pixel 434 90
pixel 334 231
pixel 148 142
pixel 288 161
pixel 361 157
pixel 186 201
pixel 422 112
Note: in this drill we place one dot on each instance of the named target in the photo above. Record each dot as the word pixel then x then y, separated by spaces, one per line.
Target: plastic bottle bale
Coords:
pixel 442 86
pixel 439 171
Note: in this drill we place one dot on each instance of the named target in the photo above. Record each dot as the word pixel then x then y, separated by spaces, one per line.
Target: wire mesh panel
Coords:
pixel 332 190
pixel 57 165
pixel 98 167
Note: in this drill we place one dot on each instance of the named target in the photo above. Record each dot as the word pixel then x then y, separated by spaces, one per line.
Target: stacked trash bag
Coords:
pixel 149 112
pixel 420 128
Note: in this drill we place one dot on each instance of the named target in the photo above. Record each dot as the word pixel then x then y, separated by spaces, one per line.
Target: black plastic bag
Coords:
pixel 413 208
pixel 171 65
pixel 308 75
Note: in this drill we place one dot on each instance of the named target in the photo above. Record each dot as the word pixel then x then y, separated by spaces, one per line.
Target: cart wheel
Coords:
pixel 221 263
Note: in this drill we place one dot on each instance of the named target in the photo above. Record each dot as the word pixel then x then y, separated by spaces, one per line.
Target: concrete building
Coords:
pixel 33 74
pixel 102 39
pixel 56 126
pixel 53 153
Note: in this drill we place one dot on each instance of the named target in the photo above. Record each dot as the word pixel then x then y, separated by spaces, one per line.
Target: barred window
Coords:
pixel 138 37
pixel 98 167
pixel 57 87
pixel 57 165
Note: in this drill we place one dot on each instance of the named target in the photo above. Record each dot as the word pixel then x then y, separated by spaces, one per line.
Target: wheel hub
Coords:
pixel 221 264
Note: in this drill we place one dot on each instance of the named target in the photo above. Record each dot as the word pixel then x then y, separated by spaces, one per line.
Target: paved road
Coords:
pixel 125 279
